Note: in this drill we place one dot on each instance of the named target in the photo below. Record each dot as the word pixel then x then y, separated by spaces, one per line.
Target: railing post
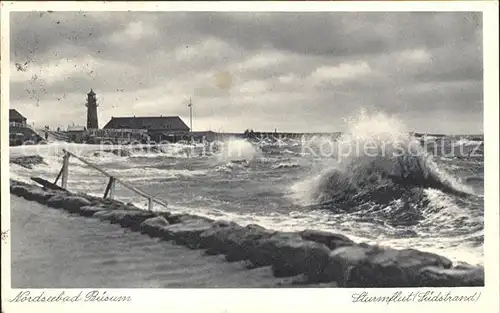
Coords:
pixel 110 188
pixel 150 204
pixel 59 175
pixel 64 183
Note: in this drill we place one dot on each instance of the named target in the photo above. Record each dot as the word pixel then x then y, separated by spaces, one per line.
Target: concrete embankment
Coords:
pixel 310 256
pixel 53 249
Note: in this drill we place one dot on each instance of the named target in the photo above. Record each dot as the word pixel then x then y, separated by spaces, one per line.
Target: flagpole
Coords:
pixel 190 115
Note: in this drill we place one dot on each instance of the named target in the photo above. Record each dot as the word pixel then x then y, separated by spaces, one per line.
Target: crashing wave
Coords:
pixel 385 170
pixel 286 165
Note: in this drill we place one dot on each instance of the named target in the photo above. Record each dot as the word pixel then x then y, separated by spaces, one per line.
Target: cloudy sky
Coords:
pixel 291 71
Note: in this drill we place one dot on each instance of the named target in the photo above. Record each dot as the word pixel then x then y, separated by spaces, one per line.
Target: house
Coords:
pixel 170 128
pixel 20 133
pixel 16 117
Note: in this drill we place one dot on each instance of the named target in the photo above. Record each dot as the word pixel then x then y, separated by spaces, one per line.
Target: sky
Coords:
pixel 290 71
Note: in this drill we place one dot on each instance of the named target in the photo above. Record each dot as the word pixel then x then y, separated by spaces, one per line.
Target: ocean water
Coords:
pixel 385 186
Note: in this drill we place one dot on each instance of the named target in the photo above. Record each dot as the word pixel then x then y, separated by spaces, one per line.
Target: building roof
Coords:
pixel 147 122
pixel 15 115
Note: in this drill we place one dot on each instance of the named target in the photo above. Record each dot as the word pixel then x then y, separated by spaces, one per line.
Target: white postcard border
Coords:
pixel 276 300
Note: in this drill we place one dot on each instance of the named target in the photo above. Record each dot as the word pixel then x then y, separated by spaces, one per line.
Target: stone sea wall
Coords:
pixel 308 257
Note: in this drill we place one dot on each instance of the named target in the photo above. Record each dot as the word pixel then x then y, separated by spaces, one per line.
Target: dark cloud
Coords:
pixel 334 34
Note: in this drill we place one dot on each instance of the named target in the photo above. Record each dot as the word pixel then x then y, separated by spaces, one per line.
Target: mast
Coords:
pixel 190 105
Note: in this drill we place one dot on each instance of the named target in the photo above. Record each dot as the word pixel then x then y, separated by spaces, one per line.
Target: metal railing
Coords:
pixel 108 193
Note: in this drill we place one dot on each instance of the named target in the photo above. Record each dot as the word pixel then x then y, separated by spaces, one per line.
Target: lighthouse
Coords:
pixel 91 111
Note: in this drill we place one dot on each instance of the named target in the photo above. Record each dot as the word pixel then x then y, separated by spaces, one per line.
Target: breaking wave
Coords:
pixel 386 181
pixel 237 150
pixel 286 165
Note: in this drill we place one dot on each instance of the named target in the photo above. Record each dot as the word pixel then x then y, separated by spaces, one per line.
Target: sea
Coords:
pixel 375 183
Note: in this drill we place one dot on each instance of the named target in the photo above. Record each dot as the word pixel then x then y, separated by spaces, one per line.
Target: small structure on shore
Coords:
pixel 16 117
pixel 76 133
